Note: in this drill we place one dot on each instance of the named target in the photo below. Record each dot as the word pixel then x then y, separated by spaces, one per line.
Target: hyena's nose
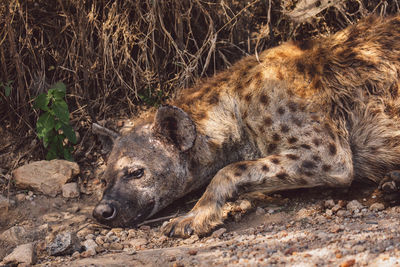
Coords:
pixel 104 212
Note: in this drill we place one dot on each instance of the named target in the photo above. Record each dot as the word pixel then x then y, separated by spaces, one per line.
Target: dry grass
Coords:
pixel 114 55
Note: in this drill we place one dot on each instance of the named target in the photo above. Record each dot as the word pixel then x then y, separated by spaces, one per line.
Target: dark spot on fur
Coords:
pixel 300 66
pixel 213 99
pixel 316 141
pixel 317 83
pixel 296 121
pixel 332 149
pixel 281 110
pixel 248 97
pixel 284 128
pixel 251 129
pixel 316 158
pixel 305 146
pixel 308 164
pixel 316 129
pixel 306 173
pixel 292 156
pixel 282 175
pixel 326 168
pixel 237 174
pixel 265 168
pixel 276 137
pixel 272 147
pixel 280 75
pixel 268 121
pixel 275 160
pixel 292 140
pixel 292 106
pixel 305 45
pixel 242 166
pixel 264 99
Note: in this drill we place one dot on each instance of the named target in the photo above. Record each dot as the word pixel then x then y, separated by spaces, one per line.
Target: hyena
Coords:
pixel 322 112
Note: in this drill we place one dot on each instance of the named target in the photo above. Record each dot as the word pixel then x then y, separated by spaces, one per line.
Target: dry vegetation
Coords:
pixel 117 55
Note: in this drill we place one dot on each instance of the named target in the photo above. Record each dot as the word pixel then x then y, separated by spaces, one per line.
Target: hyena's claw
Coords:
pixel 390 186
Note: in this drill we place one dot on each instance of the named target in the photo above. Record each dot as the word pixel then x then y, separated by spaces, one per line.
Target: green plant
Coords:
pixel 7 88
pixel 53 125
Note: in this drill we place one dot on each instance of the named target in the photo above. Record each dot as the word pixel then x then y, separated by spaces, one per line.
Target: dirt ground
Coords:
pixel 312 227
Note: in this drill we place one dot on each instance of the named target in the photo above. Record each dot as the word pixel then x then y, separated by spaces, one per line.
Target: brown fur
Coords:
pixel 308 114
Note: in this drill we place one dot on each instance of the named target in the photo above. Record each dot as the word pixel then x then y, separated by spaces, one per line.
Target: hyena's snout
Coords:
pixel 105 212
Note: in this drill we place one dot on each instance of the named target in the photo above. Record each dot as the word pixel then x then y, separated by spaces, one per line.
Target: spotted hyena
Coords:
pixel 303 114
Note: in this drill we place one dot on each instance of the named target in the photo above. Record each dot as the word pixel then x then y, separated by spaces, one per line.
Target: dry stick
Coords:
pixel 160 219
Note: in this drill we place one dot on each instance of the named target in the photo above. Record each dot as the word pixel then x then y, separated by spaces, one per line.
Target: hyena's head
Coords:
pixel 147 167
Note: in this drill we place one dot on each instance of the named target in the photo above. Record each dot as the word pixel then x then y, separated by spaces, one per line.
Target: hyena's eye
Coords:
pixel 133 174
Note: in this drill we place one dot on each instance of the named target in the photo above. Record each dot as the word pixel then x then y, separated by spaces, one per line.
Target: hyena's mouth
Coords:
pixel 144 214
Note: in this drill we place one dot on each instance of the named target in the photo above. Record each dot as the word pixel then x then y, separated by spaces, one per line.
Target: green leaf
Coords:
pixel 7 89
pixel 58 125
pixel 44 124
pixel 67 154
pixel 69 133
pixel 42 102
pixel 52 153
pixel 60 109
pixel 58 91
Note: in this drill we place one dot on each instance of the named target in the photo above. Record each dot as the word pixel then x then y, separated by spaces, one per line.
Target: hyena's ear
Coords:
pixel 106 136
pixel 176 125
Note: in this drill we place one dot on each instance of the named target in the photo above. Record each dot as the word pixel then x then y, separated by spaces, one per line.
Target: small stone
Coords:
pixel 145 228
pixel 20 197
pixel 130 251
pixel 343 213
pixel 88 253
pixel 192 252
pixel 84 232
pixel 5 202
pixel 116 231
pixel 348 263
pixel 336 208
pixel 377 207
pixel 329 203
pixel 100 240
pixel 89 236
pixel 64 244
pixel 76 255
pixel 70 190
pixel 354 205
pixel 116 246
pixel 21 254
pixel 245 205
pixel 329 212
pixel 138 243
pixel 260 211
pixel 218 233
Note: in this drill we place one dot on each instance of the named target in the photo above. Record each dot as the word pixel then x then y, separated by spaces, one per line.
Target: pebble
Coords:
pixel 260 211
pixel 21 254
pixel 138 243
pixel 116 246
pixel 64 244
pixel 70 190
pixel 218 233
pixel 84 232
pixel 329 203
pixel 377 207
pixel 354 205
pixel 20 197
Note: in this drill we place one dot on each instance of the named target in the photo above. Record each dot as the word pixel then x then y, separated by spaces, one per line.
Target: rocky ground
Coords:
pixel 315 227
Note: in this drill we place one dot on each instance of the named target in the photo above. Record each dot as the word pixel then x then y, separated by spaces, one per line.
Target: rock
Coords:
pixel 20 197
pixel 70 190
pixel 329 203
pixel 45 176
pixel 377 207
pixel 64 244
pixel 117 246
pixel 5 202
pixel 218 233
pixel 260 211
pixel 90 246
pixel 84 232
pixel 21 254
pixel 17 235
pixel 354 205
pixel 138 243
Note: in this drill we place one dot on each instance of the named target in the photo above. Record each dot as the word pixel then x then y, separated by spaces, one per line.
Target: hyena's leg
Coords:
pixel 276 172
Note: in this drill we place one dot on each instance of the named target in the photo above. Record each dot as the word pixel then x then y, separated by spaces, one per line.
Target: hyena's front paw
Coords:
pixel 179 227
pixel 390 186
pixel 195 222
